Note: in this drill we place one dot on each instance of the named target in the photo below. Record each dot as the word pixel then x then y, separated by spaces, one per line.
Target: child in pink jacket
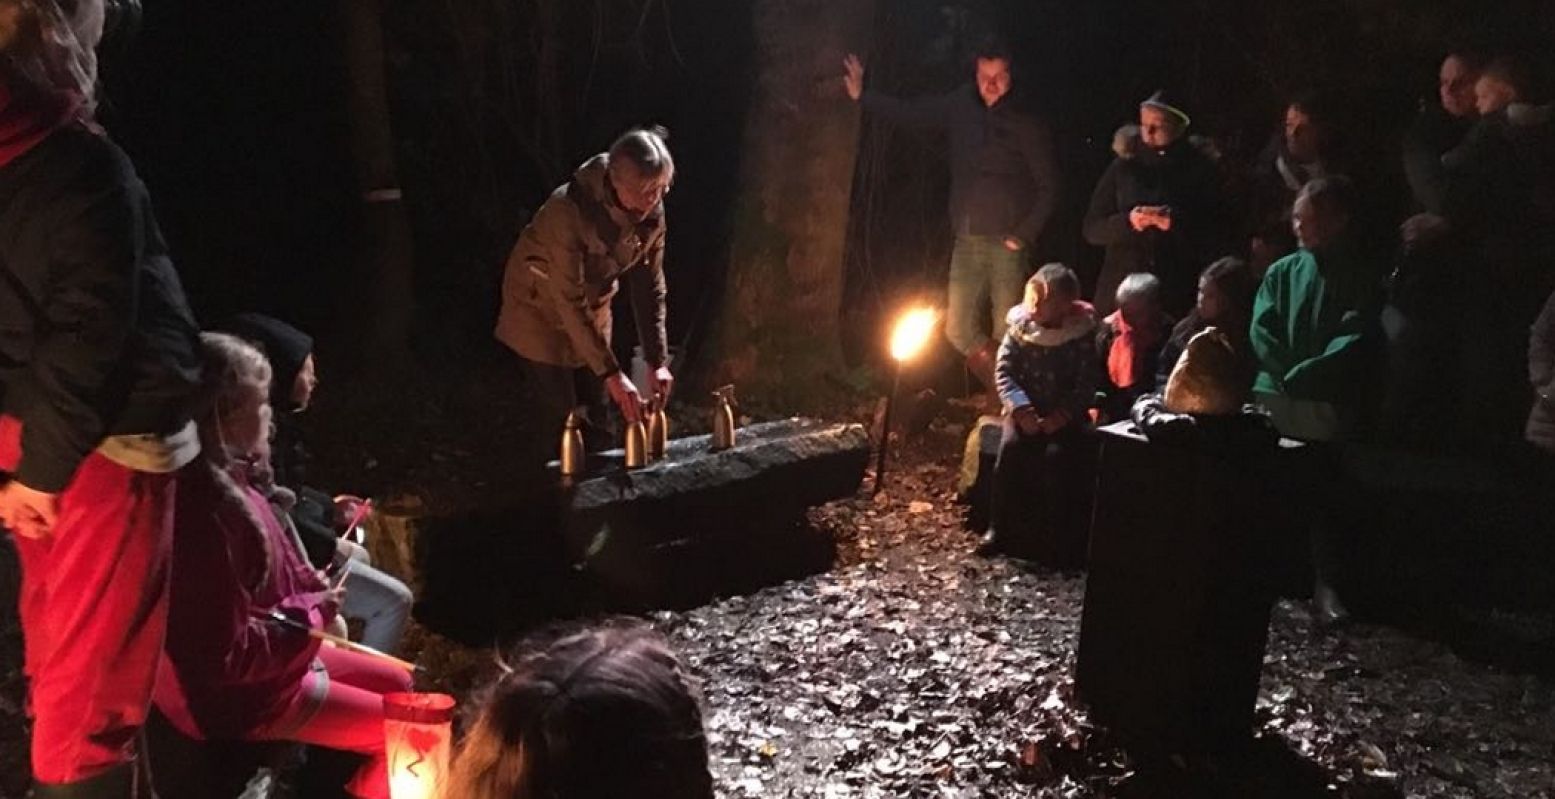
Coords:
pixel 227 672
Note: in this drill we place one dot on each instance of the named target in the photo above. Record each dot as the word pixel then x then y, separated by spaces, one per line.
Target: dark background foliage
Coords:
pixel 235 114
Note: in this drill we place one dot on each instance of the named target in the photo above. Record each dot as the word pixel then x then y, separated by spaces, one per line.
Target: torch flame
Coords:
pixel 912 332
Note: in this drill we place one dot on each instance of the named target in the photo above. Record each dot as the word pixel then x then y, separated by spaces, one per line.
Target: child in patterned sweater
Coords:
pixel 1046 375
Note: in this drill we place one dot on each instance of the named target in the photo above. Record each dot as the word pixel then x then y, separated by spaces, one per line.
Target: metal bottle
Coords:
pixel 572 455
pixel 723 418
pixel 636 444
pixel 658 430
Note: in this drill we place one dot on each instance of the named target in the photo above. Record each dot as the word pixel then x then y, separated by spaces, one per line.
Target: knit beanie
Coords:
pixel 1167 103
pixel 285 346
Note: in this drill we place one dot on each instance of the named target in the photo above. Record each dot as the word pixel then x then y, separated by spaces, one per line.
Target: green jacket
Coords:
pixel 565 269
pixel 1311 321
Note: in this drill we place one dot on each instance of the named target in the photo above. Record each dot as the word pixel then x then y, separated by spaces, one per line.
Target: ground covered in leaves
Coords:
pixel 920 669
pixel 917 669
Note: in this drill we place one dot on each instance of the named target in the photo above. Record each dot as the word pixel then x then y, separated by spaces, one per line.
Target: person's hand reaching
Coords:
pixel 853 76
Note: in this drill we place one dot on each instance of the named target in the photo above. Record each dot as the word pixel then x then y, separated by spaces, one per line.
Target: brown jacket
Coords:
pixel 563 273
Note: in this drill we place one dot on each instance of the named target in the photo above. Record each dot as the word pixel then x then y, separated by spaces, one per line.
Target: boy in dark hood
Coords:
pixel 377 599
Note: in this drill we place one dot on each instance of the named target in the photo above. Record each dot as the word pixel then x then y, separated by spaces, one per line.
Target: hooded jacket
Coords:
pixel 284 346
pixel 97 343
pixel 1183 176
pixel 1003 176
pixel 1049 368
pixel 225 671
pixel 565 270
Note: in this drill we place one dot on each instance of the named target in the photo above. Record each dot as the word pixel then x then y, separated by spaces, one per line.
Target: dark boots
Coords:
pixel 116 783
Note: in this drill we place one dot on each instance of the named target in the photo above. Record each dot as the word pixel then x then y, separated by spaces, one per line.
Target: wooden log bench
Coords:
pixel 693 525
pixel 653 536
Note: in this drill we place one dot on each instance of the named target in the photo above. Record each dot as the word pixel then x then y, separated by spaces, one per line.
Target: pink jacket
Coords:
pixel 223 671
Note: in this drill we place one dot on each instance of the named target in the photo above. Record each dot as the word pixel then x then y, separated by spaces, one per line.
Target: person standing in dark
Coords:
pixel 1004 185
pixel 1157 208
pixel 603 228
pixel 1303 150
pixel 1501 205
pixel 1313 321
pixel 1440 126
pixel 1425 290
pixel 98 368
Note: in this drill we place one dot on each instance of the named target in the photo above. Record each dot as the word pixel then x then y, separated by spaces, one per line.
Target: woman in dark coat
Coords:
pixel 1157 208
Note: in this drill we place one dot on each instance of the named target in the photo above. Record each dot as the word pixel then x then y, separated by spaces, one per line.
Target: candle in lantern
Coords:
pixel 418 733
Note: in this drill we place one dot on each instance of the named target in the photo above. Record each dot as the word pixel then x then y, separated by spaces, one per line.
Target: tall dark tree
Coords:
pixel 778 332
pixel 386 252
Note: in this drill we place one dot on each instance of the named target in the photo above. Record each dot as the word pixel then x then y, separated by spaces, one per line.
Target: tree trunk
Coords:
pixel 385 270
pixel 777 334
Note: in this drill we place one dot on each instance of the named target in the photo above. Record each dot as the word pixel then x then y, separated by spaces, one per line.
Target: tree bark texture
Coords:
pixel 778 330
pixel 386 266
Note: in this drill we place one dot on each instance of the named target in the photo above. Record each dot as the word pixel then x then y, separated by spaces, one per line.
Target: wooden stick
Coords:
pixel 344 643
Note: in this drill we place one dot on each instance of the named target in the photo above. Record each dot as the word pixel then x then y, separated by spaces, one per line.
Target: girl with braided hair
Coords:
pixel 600 714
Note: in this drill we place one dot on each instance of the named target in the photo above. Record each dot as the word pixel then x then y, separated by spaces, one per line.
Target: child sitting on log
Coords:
pixel 1225 301
pixel 228 672
pixel 605 713
pixel 1046 374
pixel 1129 345
pixel 377 599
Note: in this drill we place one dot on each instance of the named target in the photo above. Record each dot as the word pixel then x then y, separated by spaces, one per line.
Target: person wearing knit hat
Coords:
pixel 1166 104
pixel 290 352
pixel 1158 208
pixel 374 597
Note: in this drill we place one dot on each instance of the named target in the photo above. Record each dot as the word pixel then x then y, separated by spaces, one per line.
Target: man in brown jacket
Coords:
pixel 603 227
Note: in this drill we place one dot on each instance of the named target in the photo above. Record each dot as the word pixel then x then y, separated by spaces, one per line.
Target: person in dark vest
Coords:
pixel 1004 184
pixel 1157 208
pixel 603 228
pixel 98 368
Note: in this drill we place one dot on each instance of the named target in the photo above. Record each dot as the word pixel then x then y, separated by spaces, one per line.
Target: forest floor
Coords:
pixel 915 668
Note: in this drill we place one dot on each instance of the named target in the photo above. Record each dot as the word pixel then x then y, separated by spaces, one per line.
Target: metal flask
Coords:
pixel 723 418
pixel 658 431
pixel 572 453
pixel 636 444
